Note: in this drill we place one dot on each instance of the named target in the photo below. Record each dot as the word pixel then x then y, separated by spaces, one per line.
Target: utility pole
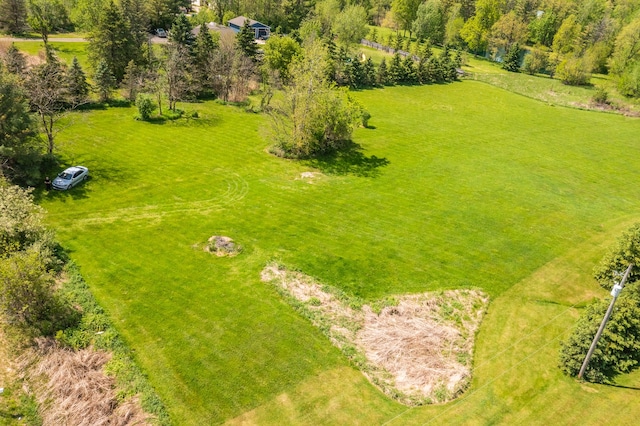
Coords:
pixel 615 292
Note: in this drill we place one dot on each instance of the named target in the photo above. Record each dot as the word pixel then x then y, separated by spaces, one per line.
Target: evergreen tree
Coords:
pixel 14 60
pixel 447 66
pixel 113 42
pixel 422 76
pixel 203 51
pixel 409 67
pixel 382 76
pixel 181 32
pixel 105 81
pixel 397 44
pixel 246 41
pixel 77 86
pixel 13 15
pixel 356 78
pixel 369 73
pixel 396 70
pixel 136 15
pixel 19 154
pixel 512 59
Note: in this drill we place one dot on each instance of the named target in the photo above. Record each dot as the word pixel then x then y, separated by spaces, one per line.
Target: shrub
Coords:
pixel 573 72
pixel 146 107
pixel 26 292
pixel 600 97
pixel 536 61
pixel 629 81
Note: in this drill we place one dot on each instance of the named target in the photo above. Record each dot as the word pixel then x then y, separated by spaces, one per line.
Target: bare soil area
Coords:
pixel 415 348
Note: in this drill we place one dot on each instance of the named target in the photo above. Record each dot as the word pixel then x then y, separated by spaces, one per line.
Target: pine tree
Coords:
pixel 105 81
pixel 112 42
pixel 369 73
pixel 203 50
pixel 246 41
pixel 181 32
pixel 511 61
pixel 355 73
pixel 77 86
pixel 396 71
pixel 397 44
pixel 13 15
pixel 382 76
pixel 409 74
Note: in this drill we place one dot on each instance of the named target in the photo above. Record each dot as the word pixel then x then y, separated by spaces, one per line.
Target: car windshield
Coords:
pixel 64 176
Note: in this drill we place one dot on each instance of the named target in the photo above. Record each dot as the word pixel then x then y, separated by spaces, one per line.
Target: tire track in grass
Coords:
pixel 236 189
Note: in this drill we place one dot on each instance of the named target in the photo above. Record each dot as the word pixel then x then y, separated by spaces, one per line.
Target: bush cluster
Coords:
pixel 618 350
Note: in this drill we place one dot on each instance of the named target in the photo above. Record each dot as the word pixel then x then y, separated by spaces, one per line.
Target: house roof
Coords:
pixel 239 22
pixel 213 27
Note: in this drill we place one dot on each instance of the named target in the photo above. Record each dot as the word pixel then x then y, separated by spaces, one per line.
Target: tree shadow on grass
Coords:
pixel 350 160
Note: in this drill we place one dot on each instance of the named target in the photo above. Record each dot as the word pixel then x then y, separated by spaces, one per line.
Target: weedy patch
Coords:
pixel 222 246
pixel 416 348
pixel 72 388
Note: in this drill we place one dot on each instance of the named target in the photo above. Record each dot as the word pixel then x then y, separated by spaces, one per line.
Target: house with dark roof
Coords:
pixel 262 31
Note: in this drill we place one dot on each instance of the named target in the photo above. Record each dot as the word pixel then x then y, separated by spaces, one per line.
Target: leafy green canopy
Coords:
pixel 618 350
pixel 624 252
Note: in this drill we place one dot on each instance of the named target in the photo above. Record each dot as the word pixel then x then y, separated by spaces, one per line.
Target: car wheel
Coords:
pixel 85 177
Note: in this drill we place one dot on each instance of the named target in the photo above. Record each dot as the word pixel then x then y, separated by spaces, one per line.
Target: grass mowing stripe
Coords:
pixel 481 188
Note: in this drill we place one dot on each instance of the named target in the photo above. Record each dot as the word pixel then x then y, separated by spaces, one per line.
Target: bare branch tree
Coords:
pixel 47 88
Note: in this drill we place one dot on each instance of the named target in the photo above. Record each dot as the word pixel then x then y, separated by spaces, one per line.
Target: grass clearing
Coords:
pixel 455 186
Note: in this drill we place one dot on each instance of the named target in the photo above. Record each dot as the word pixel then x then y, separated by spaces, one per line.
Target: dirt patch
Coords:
pixel 222 246
pixel 71 387
pixel 415 348
pixel 310 177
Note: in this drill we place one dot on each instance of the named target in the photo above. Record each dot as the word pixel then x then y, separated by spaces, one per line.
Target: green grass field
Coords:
pixel 460 185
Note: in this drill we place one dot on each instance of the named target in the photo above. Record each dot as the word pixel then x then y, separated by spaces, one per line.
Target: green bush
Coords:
pixel 573 72
pixel 600 97
pixel 629 81
pixel 536 61
pixel 618 350
pixel 146 107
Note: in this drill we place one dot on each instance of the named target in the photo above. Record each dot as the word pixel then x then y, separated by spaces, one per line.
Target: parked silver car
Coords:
pixel 70 177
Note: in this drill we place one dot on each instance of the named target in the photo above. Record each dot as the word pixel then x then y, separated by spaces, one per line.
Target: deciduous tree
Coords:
pixel 279 52
pixel 46 16
pixel 313 117
pixel 618 350
pixel 350 25
pixel 48 95
pixel 430 21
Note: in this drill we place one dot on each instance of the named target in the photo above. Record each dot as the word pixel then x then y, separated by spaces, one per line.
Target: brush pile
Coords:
pixel 72 388
pixel 415 348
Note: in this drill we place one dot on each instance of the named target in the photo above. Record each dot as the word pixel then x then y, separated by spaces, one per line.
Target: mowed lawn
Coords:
pixel 460 185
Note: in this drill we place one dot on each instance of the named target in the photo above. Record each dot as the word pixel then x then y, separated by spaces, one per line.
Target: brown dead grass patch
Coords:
pixel 72 388
pixel 415 348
